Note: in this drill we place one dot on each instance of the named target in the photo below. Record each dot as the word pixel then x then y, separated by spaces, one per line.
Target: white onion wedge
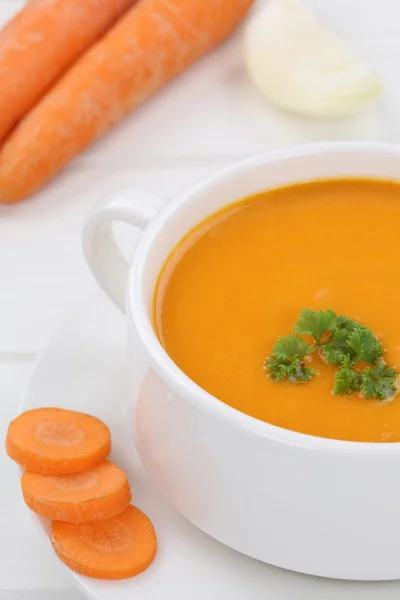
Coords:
pixel 302 66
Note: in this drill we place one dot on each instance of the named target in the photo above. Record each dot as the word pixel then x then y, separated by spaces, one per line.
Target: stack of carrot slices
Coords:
pixel 95 530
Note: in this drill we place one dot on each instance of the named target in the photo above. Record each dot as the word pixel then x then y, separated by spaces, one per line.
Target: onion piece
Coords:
pixel 302 66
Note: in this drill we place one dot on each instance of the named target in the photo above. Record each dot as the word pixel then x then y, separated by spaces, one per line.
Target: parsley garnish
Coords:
pixel 379 382
pixel 335 351
pixel 347 380
pixel 289 359
pixel 363 346
pixel 315 323
pixel 340 341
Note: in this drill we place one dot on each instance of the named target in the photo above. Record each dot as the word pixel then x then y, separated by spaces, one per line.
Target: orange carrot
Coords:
pixel 54 441
pixel 153 43
pixel 92 495
pixel 116 548
pixel 41 42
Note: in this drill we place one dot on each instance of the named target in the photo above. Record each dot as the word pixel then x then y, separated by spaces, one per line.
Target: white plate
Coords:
pixel 83 369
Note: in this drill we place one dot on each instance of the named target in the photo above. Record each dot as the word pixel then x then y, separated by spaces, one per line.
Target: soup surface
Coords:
pixel 240 279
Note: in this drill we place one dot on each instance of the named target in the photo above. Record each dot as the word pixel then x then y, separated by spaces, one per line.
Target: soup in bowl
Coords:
pixel 289 458
pixel 239 280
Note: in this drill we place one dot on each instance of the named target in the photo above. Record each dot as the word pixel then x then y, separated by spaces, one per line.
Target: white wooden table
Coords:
pixel 209 118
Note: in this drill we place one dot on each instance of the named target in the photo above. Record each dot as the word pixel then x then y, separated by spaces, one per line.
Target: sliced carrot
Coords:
pixel 153 43
pixel 97 493
pixel 116 548
pixel 54 441
pixel 41 42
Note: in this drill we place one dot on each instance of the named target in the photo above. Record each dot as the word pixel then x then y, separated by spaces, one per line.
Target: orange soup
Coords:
pixel 239 280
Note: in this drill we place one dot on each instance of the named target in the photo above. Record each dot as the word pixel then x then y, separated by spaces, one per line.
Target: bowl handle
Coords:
pixel 100 249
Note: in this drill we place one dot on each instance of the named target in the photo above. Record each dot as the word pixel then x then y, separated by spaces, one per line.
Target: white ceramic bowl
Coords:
pixel 309 504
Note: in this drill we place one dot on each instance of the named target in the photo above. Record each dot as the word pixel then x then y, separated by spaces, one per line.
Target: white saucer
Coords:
pixel 83 368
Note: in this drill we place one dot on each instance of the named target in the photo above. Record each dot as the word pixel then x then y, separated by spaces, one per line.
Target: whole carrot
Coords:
pixel 41 42
pixel 153 43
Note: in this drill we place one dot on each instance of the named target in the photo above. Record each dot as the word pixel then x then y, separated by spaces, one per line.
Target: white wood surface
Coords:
pixel 207 119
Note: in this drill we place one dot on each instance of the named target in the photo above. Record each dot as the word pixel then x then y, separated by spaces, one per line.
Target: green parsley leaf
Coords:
pixel 292 346
pixel 278 368
pixel 287 360
pixel 336 347
pixel 364 346
pixel 341 321
pixel 315 323
pixel 379 382
pixel 281 369
pixel 346 323
pixel 347 380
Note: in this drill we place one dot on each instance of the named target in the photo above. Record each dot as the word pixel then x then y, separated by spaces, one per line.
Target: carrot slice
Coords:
pixel 41 42
pixel 116 548
pixel 54 441
pixel 92 495
pixel 153 43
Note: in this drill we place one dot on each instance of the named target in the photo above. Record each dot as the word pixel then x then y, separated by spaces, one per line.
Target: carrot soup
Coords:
pixel 239 281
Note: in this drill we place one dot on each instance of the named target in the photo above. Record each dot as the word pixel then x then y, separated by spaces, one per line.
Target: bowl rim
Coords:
pixel 179 382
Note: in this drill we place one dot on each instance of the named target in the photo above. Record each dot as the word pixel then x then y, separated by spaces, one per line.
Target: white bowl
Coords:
pixel 309 504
